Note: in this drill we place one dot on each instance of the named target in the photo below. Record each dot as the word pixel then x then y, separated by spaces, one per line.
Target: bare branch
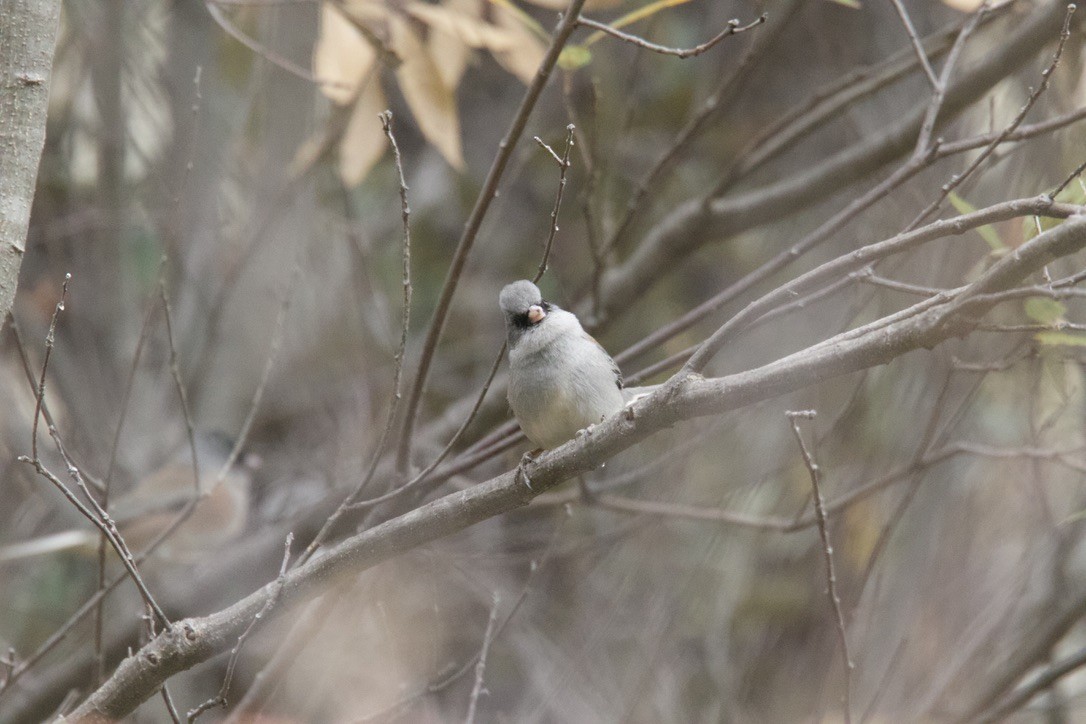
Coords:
pixel 921 55
pixel 195 640
pixel 734 28
pixel 827 553
pixel 480 666
pixel 401 351
pixel 220 698
pixel 565 28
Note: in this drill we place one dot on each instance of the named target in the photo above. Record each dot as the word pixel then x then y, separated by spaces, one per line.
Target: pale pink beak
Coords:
pixel 535 313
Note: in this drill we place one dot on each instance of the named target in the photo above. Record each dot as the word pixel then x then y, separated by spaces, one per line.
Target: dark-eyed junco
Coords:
pixel 561 380
pixel 155 501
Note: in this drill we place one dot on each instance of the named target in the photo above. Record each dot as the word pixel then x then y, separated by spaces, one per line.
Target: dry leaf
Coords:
pixel 431 101
pixel 456 27
pixel 463 19
pixel 342 58
pixel 965 6
pixel 370 13
pixel 363 141
pixel 588 6
pixel 523 59
pixel 453 54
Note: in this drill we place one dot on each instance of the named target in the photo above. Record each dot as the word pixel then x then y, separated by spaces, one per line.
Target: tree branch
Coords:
pixel 697 221
pixel 189 642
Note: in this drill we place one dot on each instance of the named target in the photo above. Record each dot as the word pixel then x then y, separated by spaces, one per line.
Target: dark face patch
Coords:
pixel 522 321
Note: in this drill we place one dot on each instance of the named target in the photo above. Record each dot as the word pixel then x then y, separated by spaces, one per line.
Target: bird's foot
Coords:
pixel 585 432
pixel 522 468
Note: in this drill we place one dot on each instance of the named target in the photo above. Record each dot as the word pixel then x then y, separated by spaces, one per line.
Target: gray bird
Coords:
pixel 560 379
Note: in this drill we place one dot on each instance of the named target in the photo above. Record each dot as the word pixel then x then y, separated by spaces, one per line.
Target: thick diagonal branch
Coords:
pixel 192 641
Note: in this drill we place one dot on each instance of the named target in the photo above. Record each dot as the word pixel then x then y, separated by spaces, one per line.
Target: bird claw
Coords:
pixel 522 467
pixel 585 432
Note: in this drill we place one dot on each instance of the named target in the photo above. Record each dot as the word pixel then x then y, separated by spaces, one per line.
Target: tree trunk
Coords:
pixel 28 34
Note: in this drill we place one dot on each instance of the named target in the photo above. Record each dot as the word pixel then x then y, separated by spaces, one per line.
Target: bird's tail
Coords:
pixel 632 394
pixel 67 540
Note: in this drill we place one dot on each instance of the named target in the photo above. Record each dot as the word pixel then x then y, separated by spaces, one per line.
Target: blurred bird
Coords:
pixel 153 504
pixel 561 380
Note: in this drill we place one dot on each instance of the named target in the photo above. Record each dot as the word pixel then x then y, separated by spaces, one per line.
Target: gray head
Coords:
pixel 523 307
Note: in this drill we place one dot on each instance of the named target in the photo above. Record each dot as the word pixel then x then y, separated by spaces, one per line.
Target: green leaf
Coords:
pixel 1044 310
pixel 574 57
pixel 1064 339
pixel 1075 193
pixel 987 232
pixel 854 4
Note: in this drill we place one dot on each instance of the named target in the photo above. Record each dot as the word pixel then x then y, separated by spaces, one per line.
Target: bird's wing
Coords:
pixel 614 365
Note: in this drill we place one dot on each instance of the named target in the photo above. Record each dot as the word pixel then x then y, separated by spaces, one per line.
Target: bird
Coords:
pixel 561 380
pixel 155 502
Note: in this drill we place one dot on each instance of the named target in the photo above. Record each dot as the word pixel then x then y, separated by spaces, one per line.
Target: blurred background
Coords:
pixel 230 153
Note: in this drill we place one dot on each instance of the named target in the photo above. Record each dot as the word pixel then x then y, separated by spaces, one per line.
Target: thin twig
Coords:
pixel 425 475
pixel 845 263
pixel 50 338
pixel 923 140
pixel 829 227
pixel 170 708
pixel 827 553
pixel 480 667
pixel 103 542
pixel 1071 177
pixel 263 51
pixel 1045 680
pixel 726 89
pixel 734 28
pixel 920 54
pixel 175 372
pixel 397 377
pixel 98 516
pixel 220 698
pixel 563 165
pixel 104 524
pixel 435 687
pixel 1046 77
pixel 258 394
pixel 565 28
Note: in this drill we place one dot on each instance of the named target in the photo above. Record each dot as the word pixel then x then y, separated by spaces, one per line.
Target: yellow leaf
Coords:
pixel 1066 339
pixel 341 58
pixel 987 232
pixel 432 102
pixel 573 57
pixel 363 140
pixel 1075 193
pixel 1045 310
pixel 851 4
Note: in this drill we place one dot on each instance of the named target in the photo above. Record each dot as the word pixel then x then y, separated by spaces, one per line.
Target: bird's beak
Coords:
pixel 536 314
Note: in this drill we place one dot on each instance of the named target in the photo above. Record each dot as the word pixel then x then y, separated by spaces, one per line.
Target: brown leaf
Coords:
pixel 463 19
pixel 523 59
pixel 454 31
pixel 342 58
pixel 432 103
pixel 363 141
pixel 588 6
